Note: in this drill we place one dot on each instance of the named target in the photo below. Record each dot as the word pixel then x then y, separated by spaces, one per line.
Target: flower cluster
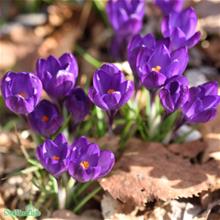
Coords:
pixel 158 65
pixel 84 161
pixel 22 93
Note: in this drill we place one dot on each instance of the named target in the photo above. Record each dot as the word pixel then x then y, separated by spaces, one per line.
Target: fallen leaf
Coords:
pixel 148 171
pixel 68 215
pixel 112 209
pixel 211 135
pixel 189 149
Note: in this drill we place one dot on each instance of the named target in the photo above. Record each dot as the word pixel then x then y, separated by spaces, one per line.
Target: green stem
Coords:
pixel 90 59
pixel 82 188
pixel 86 199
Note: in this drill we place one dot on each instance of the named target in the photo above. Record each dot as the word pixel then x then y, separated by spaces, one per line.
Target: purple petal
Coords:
pixel 191 42
pixel 166 100
pixel 112 100
pixel 127 89
pixel 178 38
pixel 106 162
pixel 160 57
pixel 153 80
pixel 203 117
pixel 165 27
pixel 182 56
pixel 188 21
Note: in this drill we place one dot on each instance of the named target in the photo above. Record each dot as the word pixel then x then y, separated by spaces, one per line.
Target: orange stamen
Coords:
pixel 110 91
pixel 55 157
pixel 84 164
pixel 156 68
pixel 45 118
pixel 23 94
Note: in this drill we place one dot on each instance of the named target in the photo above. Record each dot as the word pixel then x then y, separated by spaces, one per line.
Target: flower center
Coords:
pixel 45 118
pixel 84 164
pixel 156 68
pixel 55 158
pixel 23 94
pixel 110 91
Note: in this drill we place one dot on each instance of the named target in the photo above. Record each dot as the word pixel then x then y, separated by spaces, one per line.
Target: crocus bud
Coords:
pixel 21 91
pixel 180 27
pixel 78 104
pixel 45 119
pixel 58 75
pixel 202 103
pixel 53 155
pixel 110 90
pixel 169 6
pixel 87 162
pixel 126 18
pixel 174 93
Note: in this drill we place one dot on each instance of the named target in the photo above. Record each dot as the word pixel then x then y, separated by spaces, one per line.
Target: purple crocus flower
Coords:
pixel 21 91
pixel 110 90
pixel 78 104
pixel 155 64
pixel 53 155
pixel 58 75
pixel 139 51
pixel 126 18
pixel 174 93
pixel 180 27
pixel 87 162
pixel 169 6
pixel 202 103
pixel 46 118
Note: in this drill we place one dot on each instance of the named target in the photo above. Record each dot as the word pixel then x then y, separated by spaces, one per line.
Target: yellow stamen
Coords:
pixel 45 118
pixel 156 68
pixel 110 91
pixel 56 157
pixel 84 164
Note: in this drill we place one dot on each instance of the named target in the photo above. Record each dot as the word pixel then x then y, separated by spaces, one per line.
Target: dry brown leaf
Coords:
pixel 174 210
pixel 214 216
pixel 189 149
pixel 68 215
pixel 149 171
pixel 211 135
pixel 113 209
